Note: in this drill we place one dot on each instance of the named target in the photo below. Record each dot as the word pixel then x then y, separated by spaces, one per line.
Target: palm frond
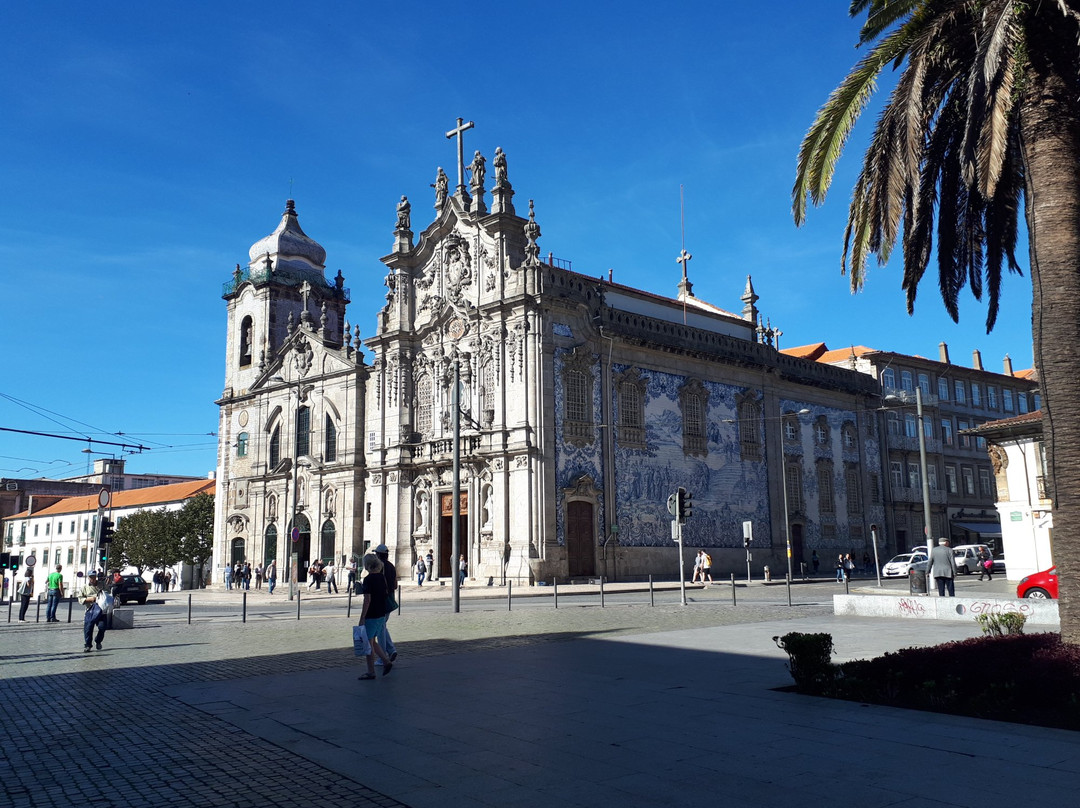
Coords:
pixel 882 15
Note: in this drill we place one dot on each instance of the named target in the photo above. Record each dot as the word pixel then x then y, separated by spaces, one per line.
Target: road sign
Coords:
pixel 103 498
pixel 30 560
pixel 295 533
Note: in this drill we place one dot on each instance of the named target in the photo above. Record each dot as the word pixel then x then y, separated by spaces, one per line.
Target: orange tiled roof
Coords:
pixel 135 498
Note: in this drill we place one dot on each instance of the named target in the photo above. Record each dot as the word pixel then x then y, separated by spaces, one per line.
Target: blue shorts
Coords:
pixel 376 628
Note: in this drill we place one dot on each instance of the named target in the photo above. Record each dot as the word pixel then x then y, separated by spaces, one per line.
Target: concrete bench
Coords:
pixel 123 617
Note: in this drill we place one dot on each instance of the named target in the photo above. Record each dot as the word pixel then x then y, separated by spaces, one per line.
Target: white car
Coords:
pixel 899 565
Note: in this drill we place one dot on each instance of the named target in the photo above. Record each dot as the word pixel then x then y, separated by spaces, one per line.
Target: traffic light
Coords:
pixel 16 561
pixel 683 504
pixel 107 532
pixel 5 559
pixel 103 555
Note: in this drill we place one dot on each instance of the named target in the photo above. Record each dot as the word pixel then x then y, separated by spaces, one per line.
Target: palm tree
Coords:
pixel 984 119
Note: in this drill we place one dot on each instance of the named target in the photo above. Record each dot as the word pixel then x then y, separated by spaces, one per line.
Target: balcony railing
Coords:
pixel 909 444
pixel 914 495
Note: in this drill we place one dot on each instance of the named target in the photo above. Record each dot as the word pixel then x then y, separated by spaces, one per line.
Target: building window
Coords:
pixel 854 496
pixel 906 381
pixel 943 388
pixel 423 406
pixel 1007 400
pixel 946 431
pixel 1037 401
pixel 969 481
pixel 991 397
pixel 242 444
pixel 911 429
pixel 372 440
pixel 896 469
pixel 750 428
pixel 892 423
pixel 848 434
pixel 632 409
pixel 931 477
pixel 875 489
pixel 821 432
pixel 577 397
pixel 59 528
pixel 71 556
pixel 976 395
pixel 1021 400
pixel 950 479
pixel 578 383
pixel 692 398
pixel 965 441
pixel 888 380
pixel 986 487
pixel 825 488
pixel 924 385
pixel 275 448
pixel 48 528
pixel 828 534
pixel 330 435
pixel 303 431
pixel 82 555
pixel 367 512
pixel 914 478
pixel 246 340
pixel 794 487
pixel 960 391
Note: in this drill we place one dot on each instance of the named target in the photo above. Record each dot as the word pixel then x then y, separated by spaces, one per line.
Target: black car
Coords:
pixel 131 587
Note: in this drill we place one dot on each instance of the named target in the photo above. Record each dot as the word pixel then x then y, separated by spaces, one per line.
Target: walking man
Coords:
pixel 271 576
pixel 25 591
pixel 55 591
pixel 390 574
pixel 92 597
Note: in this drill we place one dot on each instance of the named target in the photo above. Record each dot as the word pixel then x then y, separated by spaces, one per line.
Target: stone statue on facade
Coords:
pixel 403 213
pixel 479 169
pixel 441 186
pixel 500 167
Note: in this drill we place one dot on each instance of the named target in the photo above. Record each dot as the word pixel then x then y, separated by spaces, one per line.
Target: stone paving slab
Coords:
pixel 628 706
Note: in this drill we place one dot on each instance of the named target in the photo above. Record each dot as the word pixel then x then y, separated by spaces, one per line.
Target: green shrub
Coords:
pixel 1001 625
pixel 810 659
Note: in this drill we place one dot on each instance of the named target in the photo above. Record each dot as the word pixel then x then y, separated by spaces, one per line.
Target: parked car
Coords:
pixel 898 566
pixel 999 564
pixel 131 587
pixel 1039 585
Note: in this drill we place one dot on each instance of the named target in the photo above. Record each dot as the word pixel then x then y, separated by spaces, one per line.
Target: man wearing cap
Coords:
pixel 92 597
pixel 55 588
pixel 943 568
pixel 390 573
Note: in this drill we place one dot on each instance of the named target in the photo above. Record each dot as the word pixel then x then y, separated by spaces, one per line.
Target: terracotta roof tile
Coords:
pixel 134 498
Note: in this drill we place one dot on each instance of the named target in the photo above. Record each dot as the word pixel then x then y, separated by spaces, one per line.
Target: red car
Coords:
pixel 1040 585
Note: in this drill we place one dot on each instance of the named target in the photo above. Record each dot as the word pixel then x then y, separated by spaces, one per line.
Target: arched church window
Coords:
pixel 246 338
pixel 328 537
pixel 692 399
pixel 269 544
pixel 423 406
pixel 303 431
pixel 242 444
pixel 632 410
pixel 275 448
pixel 750 429
pixel 330 435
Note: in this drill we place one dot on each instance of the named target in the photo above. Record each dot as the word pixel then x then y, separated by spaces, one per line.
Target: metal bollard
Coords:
pixel 652 597
pixel 297 603
pixel 348 609
pixel 788 577
pixel 37 616
pixel 847 583
pixel 243 609
pixel 71 605
pixel 733 589
pixel 189 609
pixel 601 591
pixel 399 599
pixel 509 588
pixel 554 586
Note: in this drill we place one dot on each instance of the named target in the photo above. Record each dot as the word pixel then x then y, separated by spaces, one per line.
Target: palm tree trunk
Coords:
pixel 1050 133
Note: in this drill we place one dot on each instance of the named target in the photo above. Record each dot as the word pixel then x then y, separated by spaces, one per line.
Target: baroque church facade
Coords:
pixel 582 404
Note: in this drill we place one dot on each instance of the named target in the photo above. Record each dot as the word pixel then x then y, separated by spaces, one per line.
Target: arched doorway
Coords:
pixel 300 547
pixel 580 539
pixel 237 555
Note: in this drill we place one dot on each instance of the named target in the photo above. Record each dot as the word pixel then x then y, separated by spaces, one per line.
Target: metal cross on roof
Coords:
pixel 684 259
pixel 458 131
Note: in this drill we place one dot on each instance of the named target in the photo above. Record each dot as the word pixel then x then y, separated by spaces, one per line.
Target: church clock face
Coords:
pixel 242 418
pixel 456 328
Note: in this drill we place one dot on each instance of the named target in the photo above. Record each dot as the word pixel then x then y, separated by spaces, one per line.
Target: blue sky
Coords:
pixel 146 146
